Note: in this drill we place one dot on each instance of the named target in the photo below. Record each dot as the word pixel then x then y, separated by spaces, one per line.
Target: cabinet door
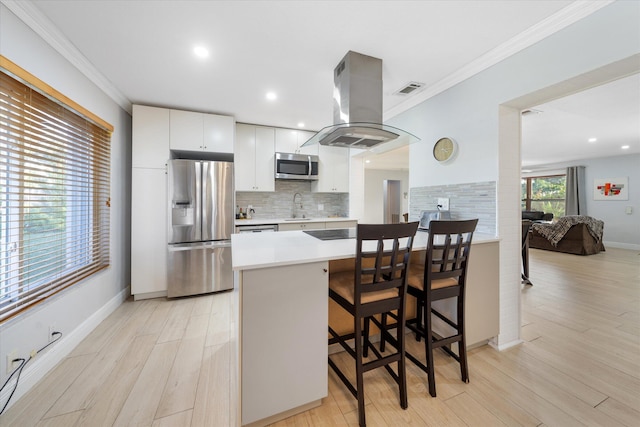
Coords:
pixel 304 136
pixel 286 140
pixel 148 231
pixel 342 224
pixel 150 137
pixel 245 158
pixel 186 131
pixel 287 226
pixel 218 133
pixel 284 338
pixel 265 158
pixel 333 170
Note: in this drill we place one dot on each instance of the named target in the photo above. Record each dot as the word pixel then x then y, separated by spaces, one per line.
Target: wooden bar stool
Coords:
pixel 443 275
pixel 377 285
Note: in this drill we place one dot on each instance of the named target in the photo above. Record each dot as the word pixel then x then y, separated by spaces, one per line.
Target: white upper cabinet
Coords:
pixel 219 133
pixel 333 170
pixel 254 158
pixel 291 140
pixel 192 131
pixel 150 137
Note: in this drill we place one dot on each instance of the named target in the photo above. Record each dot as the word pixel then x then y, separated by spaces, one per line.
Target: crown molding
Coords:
pixel 552 24
pixel 26 11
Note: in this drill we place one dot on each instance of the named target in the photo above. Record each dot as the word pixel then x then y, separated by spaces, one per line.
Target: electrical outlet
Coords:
pixel 11 365
pixel 443 203
pixel 320 207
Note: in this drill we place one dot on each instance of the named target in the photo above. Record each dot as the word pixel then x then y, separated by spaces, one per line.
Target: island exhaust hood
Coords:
pixel 357 109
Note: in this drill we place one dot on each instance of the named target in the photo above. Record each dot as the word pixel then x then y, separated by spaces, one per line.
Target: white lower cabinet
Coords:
pixel 301 226
pixel 341 224
pixel 284 338
pixel 148 233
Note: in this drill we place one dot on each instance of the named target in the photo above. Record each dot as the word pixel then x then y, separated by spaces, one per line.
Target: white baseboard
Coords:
pixel 619 245
pixel 505 346
pixel 40 366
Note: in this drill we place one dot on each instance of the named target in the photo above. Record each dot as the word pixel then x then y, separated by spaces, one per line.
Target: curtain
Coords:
pixel 576 192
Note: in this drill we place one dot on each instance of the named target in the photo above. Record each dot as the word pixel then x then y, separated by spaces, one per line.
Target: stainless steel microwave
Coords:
pixel 296 166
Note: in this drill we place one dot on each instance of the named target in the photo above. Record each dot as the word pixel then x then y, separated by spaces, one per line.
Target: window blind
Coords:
pixel 54 196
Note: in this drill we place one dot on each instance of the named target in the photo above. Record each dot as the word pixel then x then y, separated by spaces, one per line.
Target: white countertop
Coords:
pixel 262 221
pixel 260 250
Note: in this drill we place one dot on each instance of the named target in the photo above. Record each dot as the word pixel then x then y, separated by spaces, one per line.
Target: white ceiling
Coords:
pixel 144 48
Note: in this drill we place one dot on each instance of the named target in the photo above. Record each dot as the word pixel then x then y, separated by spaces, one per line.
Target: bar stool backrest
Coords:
pixel 448 248
pixel 382 259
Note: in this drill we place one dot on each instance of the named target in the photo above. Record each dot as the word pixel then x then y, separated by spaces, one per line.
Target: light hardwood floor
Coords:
pixel 167 363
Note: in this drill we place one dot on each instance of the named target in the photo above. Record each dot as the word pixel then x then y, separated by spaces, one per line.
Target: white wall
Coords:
pixel 77 310
pixel 487 134
pixel 621 230
pixel 373 193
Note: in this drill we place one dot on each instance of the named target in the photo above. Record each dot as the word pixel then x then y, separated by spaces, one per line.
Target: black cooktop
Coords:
pixel 336 234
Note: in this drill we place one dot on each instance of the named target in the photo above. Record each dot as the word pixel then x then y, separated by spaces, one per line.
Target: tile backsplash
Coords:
pixel 469 200
pixel 279 204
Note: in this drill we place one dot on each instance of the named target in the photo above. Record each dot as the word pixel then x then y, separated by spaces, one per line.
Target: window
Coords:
pixel 54 192
pixel 544 193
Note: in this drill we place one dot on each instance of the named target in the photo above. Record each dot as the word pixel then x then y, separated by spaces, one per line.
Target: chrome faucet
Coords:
pixel 295 205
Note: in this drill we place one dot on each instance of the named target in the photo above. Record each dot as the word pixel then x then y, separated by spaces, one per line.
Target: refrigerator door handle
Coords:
pixel 175 247
pixel 198 199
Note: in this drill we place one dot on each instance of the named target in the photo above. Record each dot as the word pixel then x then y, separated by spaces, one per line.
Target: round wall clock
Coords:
pixel 445 149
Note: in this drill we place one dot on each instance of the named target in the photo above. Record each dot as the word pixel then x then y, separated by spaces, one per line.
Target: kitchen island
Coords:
pixel 281 288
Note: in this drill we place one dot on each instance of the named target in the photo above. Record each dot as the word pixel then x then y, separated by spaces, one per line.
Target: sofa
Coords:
pixel 574 234
pixel 537 216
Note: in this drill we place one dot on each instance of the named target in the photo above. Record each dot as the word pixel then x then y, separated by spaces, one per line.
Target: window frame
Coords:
pixel 528 193
pixel 37 131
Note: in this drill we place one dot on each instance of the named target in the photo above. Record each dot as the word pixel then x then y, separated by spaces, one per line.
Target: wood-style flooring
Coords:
pixel 168 363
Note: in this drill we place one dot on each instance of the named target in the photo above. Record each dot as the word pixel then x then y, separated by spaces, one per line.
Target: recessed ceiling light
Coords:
pixel 271 96
pixel 367 161
pixel 625 147
pixel 300 125
pixel 592 139
pixel 201 51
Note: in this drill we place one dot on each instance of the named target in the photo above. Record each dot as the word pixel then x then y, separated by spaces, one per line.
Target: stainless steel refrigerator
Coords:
pixel 201 217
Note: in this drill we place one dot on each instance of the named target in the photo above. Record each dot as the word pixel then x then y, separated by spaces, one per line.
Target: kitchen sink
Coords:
pixel 297 219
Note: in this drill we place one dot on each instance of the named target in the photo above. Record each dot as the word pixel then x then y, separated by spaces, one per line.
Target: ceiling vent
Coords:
pixel 409 88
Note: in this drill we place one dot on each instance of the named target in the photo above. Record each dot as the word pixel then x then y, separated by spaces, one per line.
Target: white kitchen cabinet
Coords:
pixel 219 133
pixel 291 141
pixel 333 170
pixel 341 224
pixel 288 226
pixel 254 158
pixel 150 136
pixel 148 233
pixel 284 339
pixel 192 131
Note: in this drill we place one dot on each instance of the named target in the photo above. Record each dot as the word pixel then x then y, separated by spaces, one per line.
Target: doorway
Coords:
pixel 509 216
pixel 391 200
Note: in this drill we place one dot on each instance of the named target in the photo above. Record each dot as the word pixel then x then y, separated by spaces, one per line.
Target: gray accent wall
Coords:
pixel 466 201
pixel 279 204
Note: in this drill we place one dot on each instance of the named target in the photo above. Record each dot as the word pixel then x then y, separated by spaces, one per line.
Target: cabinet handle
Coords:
pixel 325 270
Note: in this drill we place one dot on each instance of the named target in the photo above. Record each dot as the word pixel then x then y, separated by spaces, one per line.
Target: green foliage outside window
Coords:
pixel 544 193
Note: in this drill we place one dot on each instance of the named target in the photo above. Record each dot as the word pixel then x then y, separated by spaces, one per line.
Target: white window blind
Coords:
pixel 54 196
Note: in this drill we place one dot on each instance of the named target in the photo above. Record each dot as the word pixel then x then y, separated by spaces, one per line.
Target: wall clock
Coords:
pixel 445 150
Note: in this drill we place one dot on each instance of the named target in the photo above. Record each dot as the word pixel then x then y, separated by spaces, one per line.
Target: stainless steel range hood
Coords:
pixel 357 109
